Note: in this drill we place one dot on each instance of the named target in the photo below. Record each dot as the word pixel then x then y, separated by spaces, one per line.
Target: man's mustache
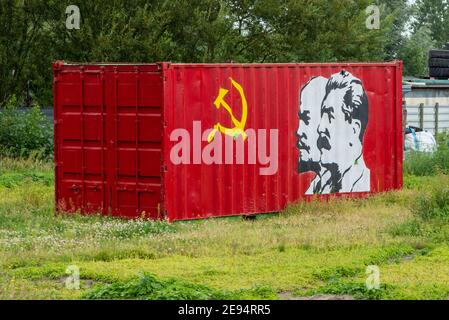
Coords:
pixel 301 144
pixel 323 143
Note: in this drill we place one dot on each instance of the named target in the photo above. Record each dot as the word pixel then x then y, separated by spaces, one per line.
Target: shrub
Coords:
pixel 25 134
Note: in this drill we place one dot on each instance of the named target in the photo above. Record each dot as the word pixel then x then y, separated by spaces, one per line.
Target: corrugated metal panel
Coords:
pixel 114 125
pixel 272 93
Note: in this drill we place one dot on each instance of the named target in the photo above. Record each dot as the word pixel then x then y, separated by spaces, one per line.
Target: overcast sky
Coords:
pixel 408 29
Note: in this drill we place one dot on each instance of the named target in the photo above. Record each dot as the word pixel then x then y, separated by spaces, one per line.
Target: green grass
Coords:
pixel 428 164
pixel 308 249
pixel 433 204
pixel 149 287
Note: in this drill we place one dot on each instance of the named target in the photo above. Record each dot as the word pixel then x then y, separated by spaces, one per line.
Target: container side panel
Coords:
pixel 309 130
pixel 399 154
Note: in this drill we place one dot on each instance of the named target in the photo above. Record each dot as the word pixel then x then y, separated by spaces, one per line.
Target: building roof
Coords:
pixel 419 83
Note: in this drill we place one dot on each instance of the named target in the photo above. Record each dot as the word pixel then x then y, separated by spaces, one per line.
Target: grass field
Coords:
pixel 308 250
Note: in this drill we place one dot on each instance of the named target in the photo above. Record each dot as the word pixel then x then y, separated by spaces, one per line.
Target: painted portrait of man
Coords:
pixel 311 97
pixel 330 140
pixel 344 118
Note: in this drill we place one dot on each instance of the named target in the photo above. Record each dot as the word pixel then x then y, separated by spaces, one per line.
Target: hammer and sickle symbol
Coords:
pixel 239 125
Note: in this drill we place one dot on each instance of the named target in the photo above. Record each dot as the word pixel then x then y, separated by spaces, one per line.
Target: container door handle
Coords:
pixel 75 188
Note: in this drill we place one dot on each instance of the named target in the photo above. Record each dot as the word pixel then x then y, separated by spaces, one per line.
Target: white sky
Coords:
pixel 408 29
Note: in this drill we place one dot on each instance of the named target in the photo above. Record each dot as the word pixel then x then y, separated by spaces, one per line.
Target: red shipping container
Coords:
pixel 185 141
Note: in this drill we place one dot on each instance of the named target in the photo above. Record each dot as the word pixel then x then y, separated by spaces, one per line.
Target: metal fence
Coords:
pixel 434 118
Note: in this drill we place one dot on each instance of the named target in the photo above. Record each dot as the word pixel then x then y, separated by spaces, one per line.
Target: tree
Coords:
pixel 35 34
pixel 415 51
pixel 398 14
pixel 22 43
pixel 433 14
pixel 301 30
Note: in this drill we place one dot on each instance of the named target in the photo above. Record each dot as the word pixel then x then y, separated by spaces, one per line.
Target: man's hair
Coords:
pixel 355 100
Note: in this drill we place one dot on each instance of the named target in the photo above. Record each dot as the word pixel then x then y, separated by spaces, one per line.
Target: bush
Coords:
pixel 426 164
pixel 25 134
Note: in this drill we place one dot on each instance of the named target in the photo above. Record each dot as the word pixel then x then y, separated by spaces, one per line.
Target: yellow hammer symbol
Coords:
pixel 239 126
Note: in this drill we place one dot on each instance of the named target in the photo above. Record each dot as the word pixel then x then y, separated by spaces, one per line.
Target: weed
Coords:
pixel 149 287
pixel 433 204
pixel 358 290
pixel 425 164
pixel 331 274
pixel 408 228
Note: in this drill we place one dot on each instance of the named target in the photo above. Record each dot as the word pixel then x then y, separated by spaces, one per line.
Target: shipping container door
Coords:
pixel 80 142
pixel 134 146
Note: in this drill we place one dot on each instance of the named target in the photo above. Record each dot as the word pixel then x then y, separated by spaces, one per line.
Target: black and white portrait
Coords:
pixel 333 116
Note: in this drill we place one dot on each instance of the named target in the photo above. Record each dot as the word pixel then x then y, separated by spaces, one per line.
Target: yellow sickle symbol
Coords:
pixel 239 126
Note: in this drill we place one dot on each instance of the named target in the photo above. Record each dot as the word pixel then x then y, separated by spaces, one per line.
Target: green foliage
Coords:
pixel 323 248
pixel 272 31
pixel 399 13
pixel 430 30
pixel 414 52
pixel 420 164
pixel 433 204
pixel 14 179
pixel 442 155
pixel 408 228
pixel 424 164
pixel 435 15
pixel 25 133
pixel 149 287
pixel 34 35
pixel 25 48
pixel 113 228
pixel 357 290
pixel 433 198
pixel 421 183
pixel 430 230
pixel 332 274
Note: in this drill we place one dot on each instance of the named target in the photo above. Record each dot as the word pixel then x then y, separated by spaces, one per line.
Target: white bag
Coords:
pixel 422 141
